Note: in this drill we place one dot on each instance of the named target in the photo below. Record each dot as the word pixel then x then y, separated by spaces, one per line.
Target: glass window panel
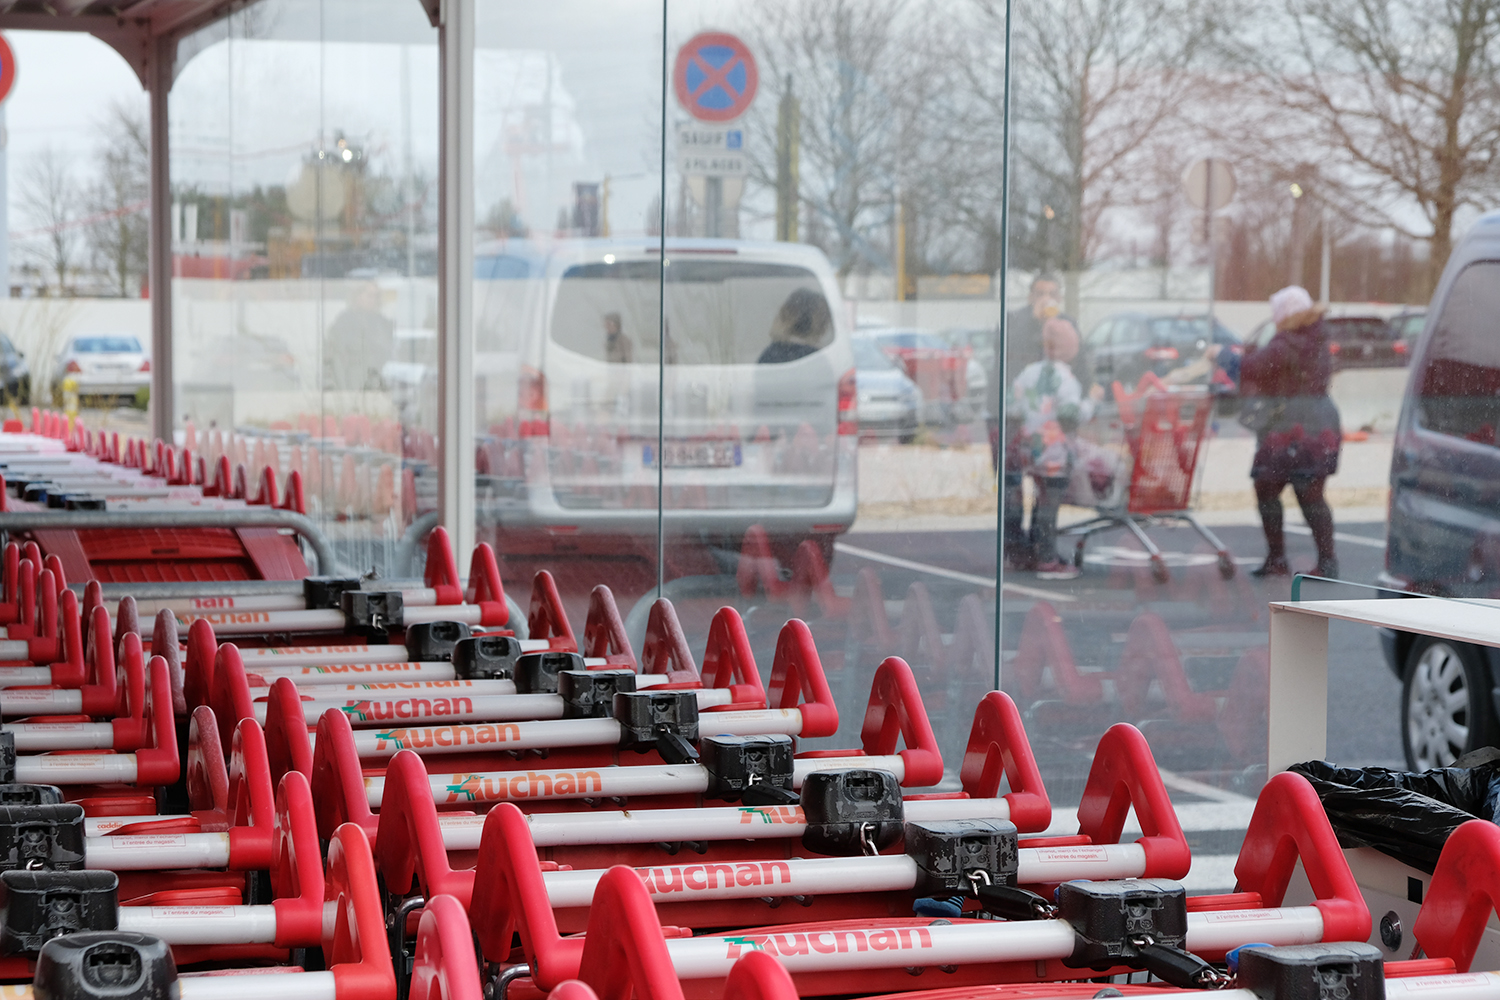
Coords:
pixel 1460 375
pixel 304 156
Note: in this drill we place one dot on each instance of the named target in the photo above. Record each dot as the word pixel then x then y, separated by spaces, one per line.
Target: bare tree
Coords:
pixel 1405 96
pixel 117 199
pixel 840 57
pixel 49 200
pixel 1096 81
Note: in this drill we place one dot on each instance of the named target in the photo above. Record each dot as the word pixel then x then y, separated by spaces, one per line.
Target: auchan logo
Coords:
pixel 406 708
pixel 831 942
pixel 225 618
pixel 354 668
pixel 702 878
pixel 445 736
pixel 412 685
pixel 772 814
pixel 523 785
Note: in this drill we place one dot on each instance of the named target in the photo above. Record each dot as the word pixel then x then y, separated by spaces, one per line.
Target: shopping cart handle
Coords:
pixel 485 589
pixel 286 730
pixel 297 867
pixel 758 976
pixel 409 847
pixel 624 951
pixel 358 953
pixel 164 644
pixel 1124 775
pixel 546 618
pixel 798 681
pixel 604 631
pixel 206 776
pixel 198 663
pixel 895 711
pixel 338 783
pixel 441 572
pixel 1289 825
pixel 510 897
pixel 998 747
pixel 665 649
pixel 252 802
pixel 729 662
pixel 1462 896
pixel 444 968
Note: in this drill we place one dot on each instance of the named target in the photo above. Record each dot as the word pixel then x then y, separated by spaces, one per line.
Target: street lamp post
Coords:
pixel 1326 254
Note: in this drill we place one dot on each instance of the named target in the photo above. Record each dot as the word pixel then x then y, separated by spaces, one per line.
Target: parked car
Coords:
pixel 760 409
pixel 1353 341
pixel 103 364
pixel 952 382
pixel 15 373
pixel 1125 346
pixel 1407 326
pixel 1444 532
pixel 890 404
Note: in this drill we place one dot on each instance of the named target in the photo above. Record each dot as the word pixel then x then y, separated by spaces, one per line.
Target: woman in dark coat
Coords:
pixel 1285 385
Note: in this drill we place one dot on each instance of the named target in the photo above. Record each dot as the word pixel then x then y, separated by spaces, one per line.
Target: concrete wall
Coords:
pixel 941 314
pixel 39 327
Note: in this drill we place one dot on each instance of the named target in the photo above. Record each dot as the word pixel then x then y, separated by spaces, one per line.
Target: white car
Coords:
pixel 103 364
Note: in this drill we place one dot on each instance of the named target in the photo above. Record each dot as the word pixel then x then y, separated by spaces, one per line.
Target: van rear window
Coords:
pixel 718 312
pixel 1459 388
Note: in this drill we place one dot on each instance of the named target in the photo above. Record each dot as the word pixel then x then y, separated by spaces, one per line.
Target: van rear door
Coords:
pixel 1445 472
pixel 751 387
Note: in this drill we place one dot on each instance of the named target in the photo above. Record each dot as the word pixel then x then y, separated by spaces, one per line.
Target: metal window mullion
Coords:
pixel 163 416
pixel 456 500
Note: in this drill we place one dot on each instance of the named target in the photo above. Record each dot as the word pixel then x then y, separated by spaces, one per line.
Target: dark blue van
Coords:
pixel 1444 536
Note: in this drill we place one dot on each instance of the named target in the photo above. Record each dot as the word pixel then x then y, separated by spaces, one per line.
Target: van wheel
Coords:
pixel 1445 703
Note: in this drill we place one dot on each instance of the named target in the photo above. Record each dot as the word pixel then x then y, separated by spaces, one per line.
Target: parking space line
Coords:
pixel 1339 536
pixel 949 574
pixel 1193 787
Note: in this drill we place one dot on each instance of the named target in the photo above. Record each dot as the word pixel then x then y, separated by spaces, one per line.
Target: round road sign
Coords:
pixel 715 77
pixel 7 68
pixel 1209 183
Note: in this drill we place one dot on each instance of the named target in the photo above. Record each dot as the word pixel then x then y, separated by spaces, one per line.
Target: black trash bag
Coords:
pixel 1406 814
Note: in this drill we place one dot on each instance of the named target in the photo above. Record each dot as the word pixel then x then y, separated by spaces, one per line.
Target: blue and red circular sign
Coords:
pixel 715 77
pixel 7 68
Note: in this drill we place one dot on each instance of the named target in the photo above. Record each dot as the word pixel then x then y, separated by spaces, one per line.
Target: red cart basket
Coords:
pixel 1164 428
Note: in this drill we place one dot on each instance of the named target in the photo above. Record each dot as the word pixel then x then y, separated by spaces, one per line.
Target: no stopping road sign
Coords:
pixel 715 76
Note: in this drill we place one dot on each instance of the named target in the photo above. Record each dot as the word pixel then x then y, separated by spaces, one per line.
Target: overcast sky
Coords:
pixel 595 63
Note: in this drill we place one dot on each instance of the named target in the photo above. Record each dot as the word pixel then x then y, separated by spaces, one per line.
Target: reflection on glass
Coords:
pixel 303 140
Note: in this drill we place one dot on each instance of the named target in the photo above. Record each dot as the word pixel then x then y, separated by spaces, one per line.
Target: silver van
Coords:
pixel 757 393
pixel 1444 535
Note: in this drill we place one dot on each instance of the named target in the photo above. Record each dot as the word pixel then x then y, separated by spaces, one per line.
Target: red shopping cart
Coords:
pixel 1164 428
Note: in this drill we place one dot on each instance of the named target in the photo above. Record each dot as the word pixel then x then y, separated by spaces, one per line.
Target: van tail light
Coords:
pixel 145 365
pixel 1333 347
pixel 848 404
pixel 73 367
pixel 1161 353
pixel 531 401
pixel 1399 347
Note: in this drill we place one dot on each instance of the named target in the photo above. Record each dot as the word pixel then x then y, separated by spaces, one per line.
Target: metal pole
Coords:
pixel 456 272
pixel 4 206
pixel 1213 249
pixel 1000 345
pixel 159 76
pixel 661 331
pixel 1327 259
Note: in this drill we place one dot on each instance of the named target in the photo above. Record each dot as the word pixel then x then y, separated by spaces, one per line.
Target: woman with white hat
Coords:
pixel 1285 385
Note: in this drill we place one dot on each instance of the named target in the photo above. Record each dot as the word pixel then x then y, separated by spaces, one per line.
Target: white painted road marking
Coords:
pixel 949 574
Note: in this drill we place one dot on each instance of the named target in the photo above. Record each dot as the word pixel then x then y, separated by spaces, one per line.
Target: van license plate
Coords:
pixel 696 454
